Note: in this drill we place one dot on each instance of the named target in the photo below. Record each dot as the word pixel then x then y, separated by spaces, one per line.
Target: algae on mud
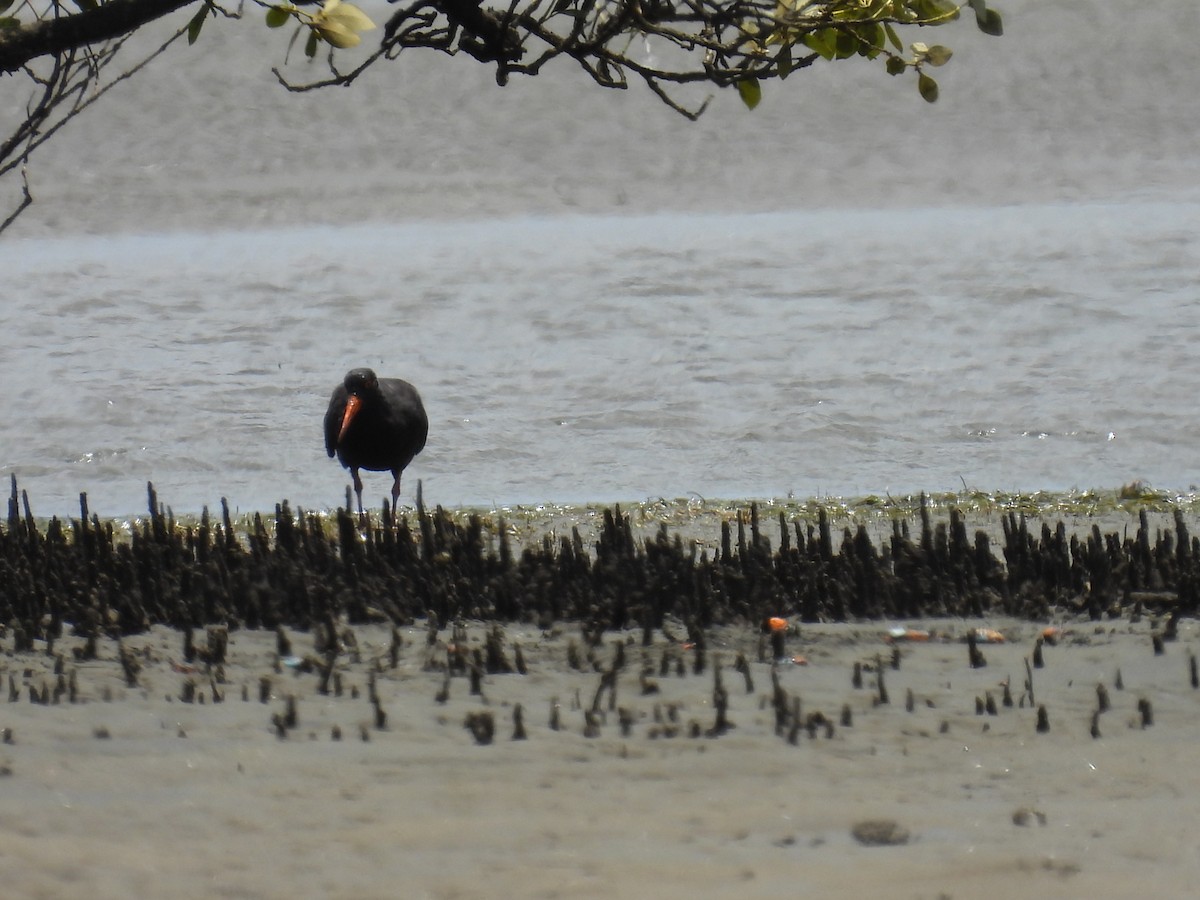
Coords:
pixel 611 569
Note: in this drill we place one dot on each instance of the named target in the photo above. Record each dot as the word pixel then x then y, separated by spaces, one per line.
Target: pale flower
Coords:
pixel 339 23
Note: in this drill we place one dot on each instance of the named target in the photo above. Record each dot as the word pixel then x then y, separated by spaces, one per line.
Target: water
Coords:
pixel 848 293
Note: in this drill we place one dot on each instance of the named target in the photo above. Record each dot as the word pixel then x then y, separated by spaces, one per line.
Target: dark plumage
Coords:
pixel 377 424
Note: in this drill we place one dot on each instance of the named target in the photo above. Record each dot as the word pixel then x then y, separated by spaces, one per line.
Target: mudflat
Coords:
pixel 391 769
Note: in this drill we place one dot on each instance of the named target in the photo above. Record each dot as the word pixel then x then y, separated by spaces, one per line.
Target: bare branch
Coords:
pixel 59 34
pixel 26 202
pixel 692 114
pixel 72 82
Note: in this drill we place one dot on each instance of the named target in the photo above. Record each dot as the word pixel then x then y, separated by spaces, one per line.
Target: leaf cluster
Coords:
pixel 868 29
pixel 667 44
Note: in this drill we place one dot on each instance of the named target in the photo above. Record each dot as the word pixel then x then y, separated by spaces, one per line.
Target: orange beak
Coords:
pixel 353 405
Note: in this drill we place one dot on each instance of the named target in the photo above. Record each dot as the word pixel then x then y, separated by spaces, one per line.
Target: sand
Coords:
pixel 131 792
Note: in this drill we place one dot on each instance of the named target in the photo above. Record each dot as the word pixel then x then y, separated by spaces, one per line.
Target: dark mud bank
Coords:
pixel 306 569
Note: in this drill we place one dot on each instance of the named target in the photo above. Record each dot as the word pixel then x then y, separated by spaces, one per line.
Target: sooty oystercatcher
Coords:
pixel 377 424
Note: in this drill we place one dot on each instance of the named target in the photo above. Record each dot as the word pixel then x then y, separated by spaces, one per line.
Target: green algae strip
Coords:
pixel 700 519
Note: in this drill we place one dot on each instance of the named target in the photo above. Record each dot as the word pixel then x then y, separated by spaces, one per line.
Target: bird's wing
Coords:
pixel 333 419
pixel 421 426
pixel 407 414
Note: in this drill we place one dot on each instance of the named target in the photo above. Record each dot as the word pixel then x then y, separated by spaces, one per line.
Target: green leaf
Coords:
pixel 783 61
pixel 989 22
pixel 197 23
pixel 895 65
pixel 893 37
pixel 9 22
pixel 872 37
pixel 277 16
pixel 823 42
pixel 934 11
pixel 847 45
pixel 310 46
pixel 937 55
pixel 750 91
pixel 928 88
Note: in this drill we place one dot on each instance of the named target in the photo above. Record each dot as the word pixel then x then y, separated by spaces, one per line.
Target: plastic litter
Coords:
pixel 988 636
pixel 916 635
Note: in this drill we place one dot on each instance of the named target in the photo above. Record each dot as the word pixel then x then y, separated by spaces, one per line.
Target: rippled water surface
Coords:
pixel 599 358
pixel 611 321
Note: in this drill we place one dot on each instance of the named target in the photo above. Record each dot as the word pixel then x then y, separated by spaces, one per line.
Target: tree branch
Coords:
pixel 26 202
pixel 493 38
pixel 48 37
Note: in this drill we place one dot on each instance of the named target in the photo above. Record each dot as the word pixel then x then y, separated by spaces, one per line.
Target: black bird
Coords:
pixel 377 424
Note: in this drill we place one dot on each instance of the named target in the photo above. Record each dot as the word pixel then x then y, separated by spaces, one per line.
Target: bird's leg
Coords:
pixel 395 489
pixel 357 488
